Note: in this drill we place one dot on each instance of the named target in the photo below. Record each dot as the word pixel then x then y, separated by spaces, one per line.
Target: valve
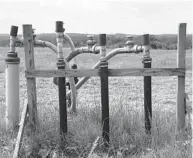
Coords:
pixel 91 42
pixel 129 41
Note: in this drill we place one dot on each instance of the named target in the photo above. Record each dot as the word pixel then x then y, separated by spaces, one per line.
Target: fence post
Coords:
pixel 181 79
pixel 104 89
pixel 28 43
pixel 147 85
pixel 61 80
pixel 12 82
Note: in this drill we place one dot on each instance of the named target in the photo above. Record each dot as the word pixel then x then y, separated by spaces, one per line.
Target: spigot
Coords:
pixel 90 42
pixel 129 41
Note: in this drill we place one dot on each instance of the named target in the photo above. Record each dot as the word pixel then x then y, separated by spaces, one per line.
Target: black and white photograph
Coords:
pixel 96 78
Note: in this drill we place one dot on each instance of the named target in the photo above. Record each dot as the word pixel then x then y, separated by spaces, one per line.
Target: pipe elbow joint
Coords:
pixel 94 49
pixel 138 49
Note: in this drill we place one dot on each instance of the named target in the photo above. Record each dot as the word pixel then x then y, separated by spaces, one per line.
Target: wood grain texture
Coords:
pixel 30 65
pixel 181 79
pixel 111 72
pixel 20 132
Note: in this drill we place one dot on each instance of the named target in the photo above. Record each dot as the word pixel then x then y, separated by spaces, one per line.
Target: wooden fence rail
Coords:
pixel 111 72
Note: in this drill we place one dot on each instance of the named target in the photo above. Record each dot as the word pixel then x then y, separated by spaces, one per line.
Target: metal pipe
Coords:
pixel 70 42
pixel 147 86
pixel 90 48
pixel 104 90
pixel 46 44
pixel 71 79
pixel 114 52
pixel 95 49
pixel 71 45
pixel 62 80
pixel 12 62
pixel 40 43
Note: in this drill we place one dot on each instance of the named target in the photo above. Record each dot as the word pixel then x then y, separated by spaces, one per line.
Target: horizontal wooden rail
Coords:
pixel 112 72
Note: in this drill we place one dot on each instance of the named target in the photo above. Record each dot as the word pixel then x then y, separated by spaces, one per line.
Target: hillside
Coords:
pixel 165 41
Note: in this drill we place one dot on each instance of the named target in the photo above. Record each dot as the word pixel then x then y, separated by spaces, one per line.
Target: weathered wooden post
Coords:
pixel 104 89
pixel 181 79
pixel 61 80
pixel 12 82
pixel 147 85
pixel 28 42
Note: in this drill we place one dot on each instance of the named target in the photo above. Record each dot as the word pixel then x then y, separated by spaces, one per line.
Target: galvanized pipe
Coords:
pixel 71 45
pixel 104 90
pixel 60 56
pixel 114 52
pixel 95 50
pixel 12 62
pixel 62 80
pixel 147 86
pixel 46 44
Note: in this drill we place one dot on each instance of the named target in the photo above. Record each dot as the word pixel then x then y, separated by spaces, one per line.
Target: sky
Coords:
pixel 98 16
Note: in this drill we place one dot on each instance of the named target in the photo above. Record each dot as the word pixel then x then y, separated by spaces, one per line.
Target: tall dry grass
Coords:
pixel 127 136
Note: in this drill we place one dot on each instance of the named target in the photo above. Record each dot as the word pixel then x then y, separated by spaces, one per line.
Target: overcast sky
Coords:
pixel 98 16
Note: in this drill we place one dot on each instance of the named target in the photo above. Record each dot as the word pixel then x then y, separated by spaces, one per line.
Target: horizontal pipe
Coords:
pixel 41 43
pixel 94 50
pixel 46 44
pixel 112 53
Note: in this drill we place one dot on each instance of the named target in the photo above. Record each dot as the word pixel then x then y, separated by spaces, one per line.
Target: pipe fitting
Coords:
pixel 95 49
pixel 129 43
pixel 90 42
pixel 102 43
pixel 59 26
pixel 138 49
pixel 60 63
pixel 59 40
pixel 12 58
pixel 146 49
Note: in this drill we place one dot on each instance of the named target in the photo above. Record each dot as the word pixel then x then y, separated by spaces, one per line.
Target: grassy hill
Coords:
pixel 164 41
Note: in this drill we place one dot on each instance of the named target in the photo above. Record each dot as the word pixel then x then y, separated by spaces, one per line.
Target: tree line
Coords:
pixel 165 41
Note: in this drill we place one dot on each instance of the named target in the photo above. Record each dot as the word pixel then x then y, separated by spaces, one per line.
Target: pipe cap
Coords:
pixel 59 26
pixel 14 31
pixel 102 39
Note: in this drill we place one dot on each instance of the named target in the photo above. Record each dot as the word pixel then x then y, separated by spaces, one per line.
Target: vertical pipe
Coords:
pixel 104 89
pixel 181 79
pixel 147 86
pixel 61 80
pixel 12 82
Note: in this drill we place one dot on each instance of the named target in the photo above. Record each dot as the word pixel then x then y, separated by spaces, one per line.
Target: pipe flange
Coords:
pixel 103 64
pixel 12 58
pixel 147 60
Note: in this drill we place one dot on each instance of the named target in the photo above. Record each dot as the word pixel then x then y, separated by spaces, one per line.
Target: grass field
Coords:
pixel 127 134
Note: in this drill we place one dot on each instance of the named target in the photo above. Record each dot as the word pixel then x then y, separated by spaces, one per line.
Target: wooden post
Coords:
pixel 181 79
pixel 147 85
pixel 21 130
pixel 104 90
pixel 30 65
pixel 61 80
